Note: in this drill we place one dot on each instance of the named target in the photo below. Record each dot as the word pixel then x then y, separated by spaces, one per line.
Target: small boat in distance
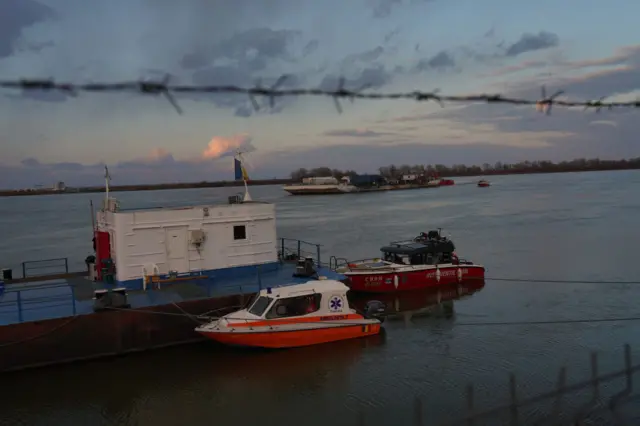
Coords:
pixel 483 183
pixel 429 260
pixel 295 315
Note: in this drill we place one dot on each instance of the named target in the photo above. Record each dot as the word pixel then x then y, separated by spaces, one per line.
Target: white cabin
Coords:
pixel 194 239
pixel 313 298
pixel 324 180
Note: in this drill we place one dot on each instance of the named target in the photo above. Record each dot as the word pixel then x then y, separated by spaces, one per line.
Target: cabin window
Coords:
pixel 260 305
pixel 239 232
pixel 295 306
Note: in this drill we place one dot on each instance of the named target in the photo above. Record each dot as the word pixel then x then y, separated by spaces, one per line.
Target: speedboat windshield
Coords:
pixel 260 305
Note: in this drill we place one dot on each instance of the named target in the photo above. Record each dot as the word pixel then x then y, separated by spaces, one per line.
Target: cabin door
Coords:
pixel 177 252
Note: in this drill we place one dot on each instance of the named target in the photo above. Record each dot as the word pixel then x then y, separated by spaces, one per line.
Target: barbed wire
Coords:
pixel 163 88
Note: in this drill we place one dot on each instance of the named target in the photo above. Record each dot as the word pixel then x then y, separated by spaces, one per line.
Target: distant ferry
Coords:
pixel 319 185
pixel 362 183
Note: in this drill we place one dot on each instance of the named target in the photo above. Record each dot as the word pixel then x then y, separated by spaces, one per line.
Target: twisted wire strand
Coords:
pixel 167 90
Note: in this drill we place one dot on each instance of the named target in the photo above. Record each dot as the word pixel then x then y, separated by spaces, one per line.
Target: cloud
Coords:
pixel 15 17
pixel 603 123
pixel 530 42
pixel 220 146
pixel 512 69
pixel 441 61
pixel 310 47
pixel 373 78
pixel 356 133
pixel 251 50
pixel 367 56
pixel 383 8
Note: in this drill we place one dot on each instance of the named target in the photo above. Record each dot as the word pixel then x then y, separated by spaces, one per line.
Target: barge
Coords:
pixel 156 275
pixel 363 183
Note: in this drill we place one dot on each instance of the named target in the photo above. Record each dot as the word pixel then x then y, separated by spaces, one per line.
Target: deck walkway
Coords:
pixel 73 295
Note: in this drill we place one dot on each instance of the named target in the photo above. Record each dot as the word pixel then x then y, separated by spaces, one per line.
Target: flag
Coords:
pixel 245 175
pixel 238 169
pixel 106 173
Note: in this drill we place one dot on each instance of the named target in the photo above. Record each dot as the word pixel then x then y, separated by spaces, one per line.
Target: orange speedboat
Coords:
pixel 294 315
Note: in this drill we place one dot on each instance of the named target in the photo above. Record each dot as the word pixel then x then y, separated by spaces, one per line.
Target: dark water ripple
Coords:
pixel 577 226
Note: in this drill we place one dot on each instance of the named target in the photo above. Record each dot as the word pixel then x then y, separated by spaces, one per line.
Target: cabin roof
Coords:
pixel 315 286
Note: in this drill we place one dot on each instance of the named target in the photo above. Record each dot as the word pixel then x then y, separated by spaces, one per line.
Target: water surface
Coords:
pixel 573 226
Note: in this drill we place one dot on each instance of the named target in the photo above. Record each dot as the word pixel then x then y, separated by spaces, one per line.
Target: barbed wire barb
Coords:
pixel 338 93
pixel 161 88
pixel 544 104
pixel 252 98
pixel 596 104
pixel 274 89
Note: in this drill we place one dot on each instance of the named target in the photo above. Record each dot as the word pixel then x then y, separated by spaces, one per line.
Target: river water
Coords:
pixel 573 226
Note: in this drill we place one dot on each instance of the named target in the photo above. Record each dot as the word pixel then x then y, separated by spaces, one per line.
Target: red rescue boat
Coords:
pixel 483 183
pixel 428 260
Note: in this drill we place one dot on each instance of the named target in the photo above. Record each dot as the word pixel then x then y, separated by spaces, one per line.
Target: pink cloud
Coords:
pixel 158 154
pixel 220 145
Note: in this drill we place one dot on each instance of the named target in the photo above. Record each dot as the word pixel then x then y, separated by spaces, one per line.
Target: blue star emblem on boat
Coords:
pixel 335 303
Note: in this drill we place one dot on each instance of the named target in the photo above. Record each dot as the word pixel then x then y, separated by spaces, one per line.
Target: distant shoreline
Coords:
pixel 148 187
pixel 260 182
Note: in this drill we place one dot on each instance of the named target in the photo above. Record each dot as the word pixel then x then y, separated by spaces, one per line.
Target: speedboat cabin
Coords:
pixel 321 297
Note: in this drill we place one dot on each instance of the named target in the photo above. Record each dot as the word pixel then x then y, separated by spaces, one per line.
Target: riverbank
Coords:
pixel 616 166
pixel 149 187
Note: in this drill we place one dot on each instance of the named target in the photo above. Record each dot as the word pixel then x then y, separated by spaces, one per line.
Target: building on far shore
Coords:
pixel 59 186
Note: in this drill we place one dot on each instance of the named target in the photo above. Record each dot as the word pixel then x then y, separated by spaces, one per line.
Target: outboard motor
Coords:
pixel 375 309
pixel 304 268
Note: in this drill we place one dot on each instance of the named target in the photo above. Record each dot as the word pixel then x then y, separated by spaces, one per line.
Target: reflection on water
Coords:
pixel 430 302
pixel 125 387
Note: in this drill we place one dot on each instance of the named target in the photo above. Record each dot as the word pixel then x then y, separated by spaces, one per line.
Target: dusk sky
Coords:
pixel 586 48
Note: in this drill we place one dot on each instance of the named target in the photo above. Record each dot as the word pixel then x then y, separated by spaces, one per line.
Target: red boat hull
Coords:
pixel 294 339
pixel 393 281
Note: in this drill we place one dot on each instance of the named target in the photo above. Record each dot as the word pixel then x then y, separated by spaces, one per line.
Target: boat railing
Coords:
pixel 341 264
pixel 34 302
pixel 291 250
pixel 50 299
pixel 37 268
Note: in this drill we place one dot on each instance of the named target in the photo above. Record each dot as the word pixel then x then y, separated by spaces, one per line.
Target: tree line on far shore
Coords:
pixel 499 168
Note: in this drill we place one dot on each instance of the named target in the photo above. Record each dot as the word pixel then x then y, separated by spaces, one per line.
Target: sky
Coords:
pixel 586 48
